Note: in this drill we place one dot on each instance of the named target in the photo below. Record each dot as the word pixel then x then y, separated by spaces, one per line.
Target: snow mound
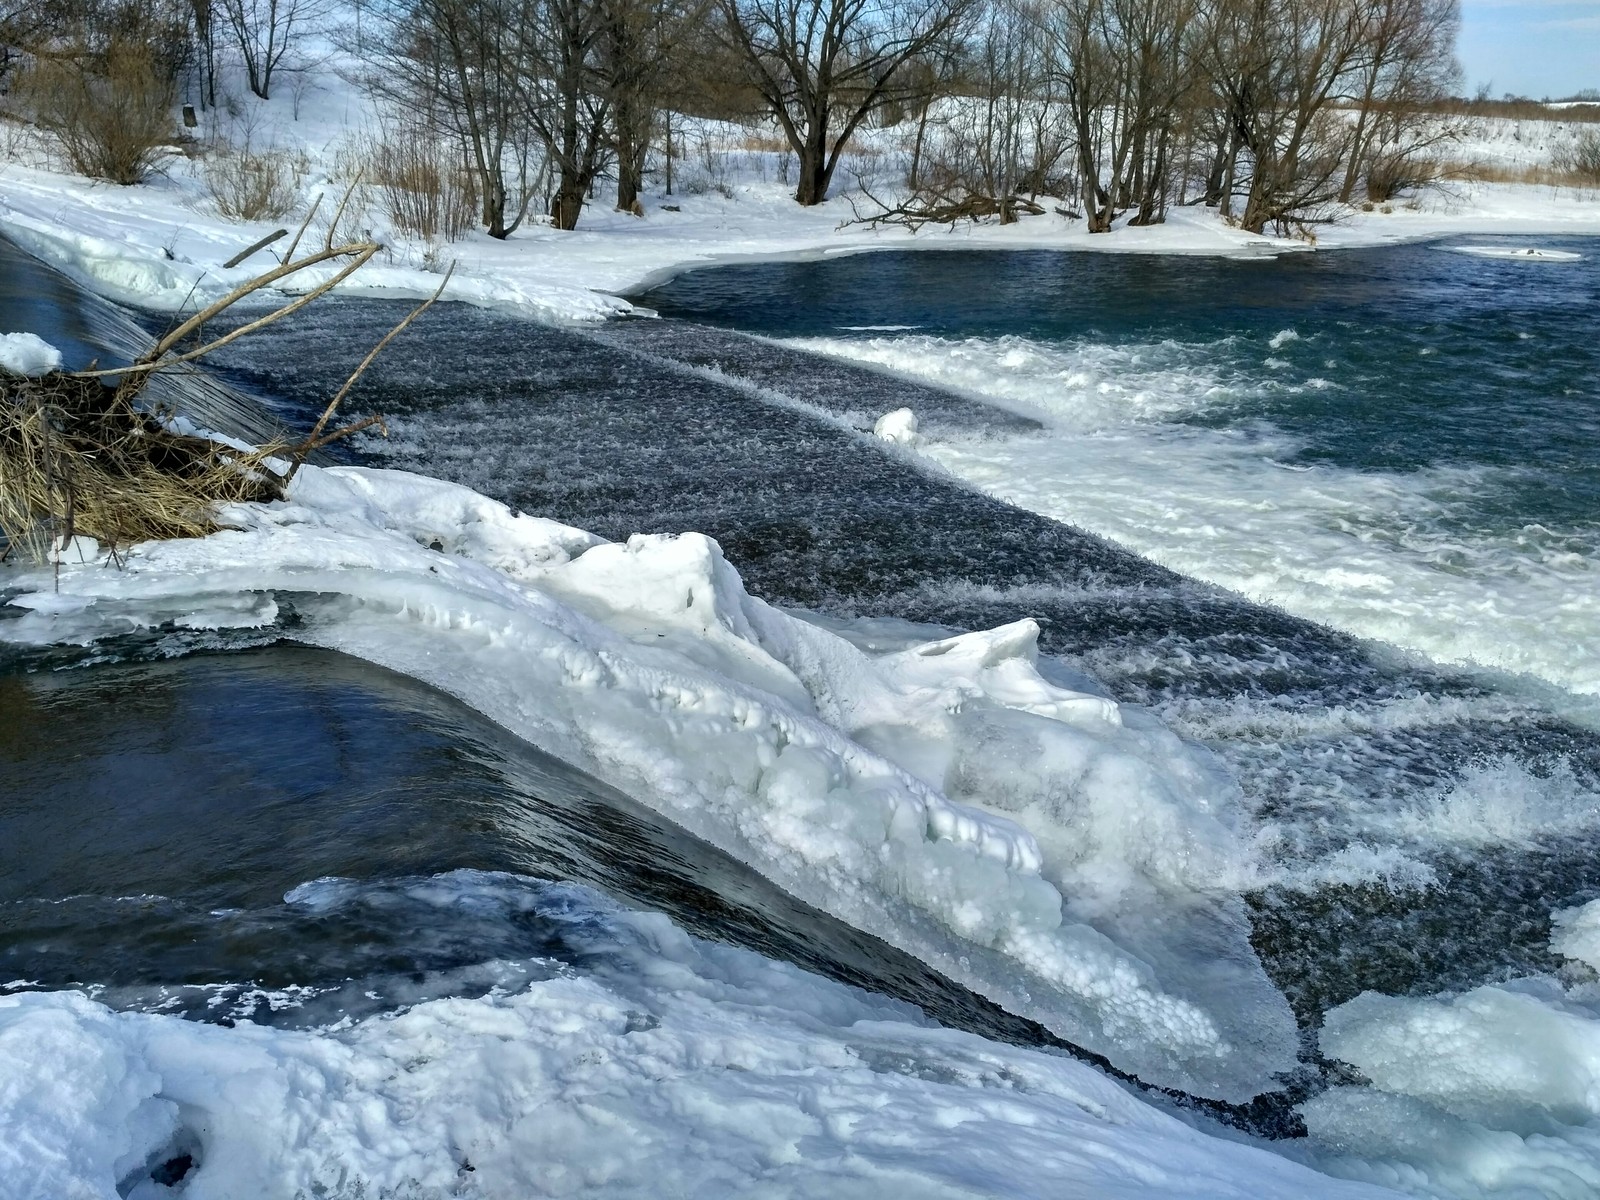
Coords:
pixel 899 426
pixel 27 354
pixel 663 1066
pixel 1071 859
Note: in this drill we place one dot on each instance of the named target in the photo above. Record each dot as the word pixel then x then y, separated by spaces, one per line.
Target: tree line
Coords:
pixel 1265 109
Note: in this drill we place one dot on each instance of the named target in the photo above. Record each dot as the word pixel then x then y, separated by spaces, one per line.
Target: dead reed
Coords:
pixel 80 455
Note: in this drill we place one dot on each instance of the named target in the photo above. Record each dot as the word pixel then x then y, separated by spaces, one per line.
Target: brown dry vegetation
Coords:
pixel 76 457
pixel 111 114
pixel 80 456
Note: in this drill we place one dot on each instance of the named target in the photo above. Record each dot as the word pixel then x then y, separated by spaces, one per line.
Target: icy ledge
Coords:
pixel 668 1066
pixel 1071 860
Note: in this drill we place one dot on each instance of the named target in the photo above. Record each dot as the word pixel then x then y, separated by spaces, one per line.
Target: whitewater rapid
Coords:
pixel 1138 448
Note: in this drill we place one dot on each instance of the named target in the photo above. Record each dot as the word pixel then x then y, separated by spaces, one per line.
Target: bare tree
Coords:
pixel 564 97
pixel 265 31
pixel 1276 68
pixel 1407 63
pixel 458 66
pixel 640 47
pixel 822 66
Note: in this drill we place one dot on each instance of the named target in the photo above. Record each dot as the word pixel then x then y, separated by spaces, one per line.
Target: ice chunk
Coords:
pixel 27 354
pixel 1577 933
pixel 899 426
pixel 1493 1092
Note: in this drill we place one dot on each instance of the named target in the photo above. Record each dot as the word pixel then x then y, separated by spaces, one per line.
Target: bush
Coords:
pixel 249 184
pixel 1581 157
pixel 111 113
pixel 1397 171
pixel 424 191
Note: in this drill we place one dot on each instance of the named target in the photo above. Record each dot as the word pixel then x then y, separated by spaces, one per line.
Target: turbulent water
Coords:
pixel 1396 442
pixel 1385 460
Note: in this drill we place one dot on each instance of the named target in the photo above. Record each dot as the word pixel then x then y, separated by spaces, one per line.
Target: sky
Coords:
pixel 1534 48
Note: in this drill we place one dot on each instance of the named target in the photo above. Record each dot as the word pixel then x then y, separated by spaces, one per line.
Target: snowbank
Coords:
pixel 162 244
pixel 664 1066
pixel 1071 859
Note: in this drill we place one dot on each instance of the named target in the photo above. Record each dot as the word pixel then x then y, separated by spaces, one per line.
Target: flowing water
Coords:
pixel 1364 498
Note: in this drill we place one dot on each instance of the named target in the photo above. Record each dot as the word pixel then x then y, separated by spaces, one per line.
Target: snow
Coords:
pixel 1491 1093
pixel 663 1066
pixel 27 354
pixel 899 426
pixel 1027 839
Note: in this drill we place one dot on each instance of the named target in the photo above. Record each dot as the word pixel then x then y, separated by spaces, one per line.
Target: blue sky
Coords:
pixel 1532 47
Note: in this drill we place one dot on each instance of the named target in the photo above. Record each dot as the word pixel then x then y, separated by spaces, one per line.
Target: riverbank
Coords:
pixel 162 244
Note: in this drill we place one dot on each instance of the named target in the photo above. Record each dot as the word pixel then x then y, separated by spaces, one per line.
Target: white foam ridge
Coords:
pixel 1068 857
pixel 1493 1092
pixel 663 1066
pixel 1395 557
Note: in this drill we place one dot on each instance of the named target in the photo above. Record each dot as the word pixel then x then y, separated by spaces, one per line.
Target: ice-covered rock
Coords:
pixel 899 426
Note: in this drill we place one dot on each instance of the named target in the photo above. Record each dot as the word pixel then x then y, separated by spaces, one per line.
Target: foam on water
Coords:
pixel 1401 557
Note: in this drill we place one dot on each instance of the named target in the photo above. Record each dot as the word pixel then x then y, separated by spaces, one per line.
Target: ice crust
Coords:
pixel 1494 1092
pixel 664 1066
pixel 27 354
pixel 1067 857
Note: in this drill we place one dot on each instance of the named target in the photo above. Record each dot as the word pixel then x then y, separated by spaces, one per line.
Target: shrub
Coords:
pixel 424 191
pixel 1399 170
pixel 111 113
pixel 249 184
pixel 1580 158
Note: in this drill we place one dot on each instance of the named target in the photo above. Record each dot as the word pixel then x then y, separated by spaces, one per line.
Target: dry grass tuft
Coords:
pixel 251 185
pixel 77 458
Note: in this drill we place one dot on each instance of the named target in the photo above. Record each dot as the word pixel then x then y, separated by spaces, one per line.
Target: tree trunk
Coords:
pixel 631 150
pixel 567 204
pixel 814 173
pixel 494 205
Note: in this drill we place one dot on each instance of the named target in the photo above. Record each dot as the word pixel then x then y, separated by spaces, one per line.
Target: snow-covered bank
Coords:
pixel 162 244
pixel 1095 889
pixel 664 1066
pixel 157 246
